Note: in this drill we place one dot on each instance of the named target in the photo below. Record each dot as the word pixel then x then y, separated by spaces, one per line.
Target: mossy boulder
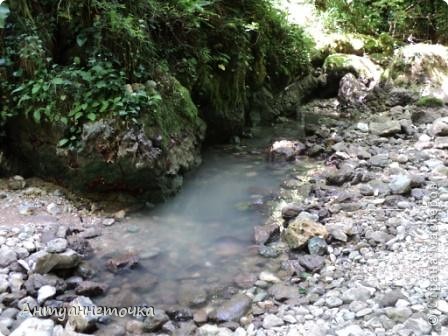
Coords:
pixel 337 66
pixel 423 68
pixel 145 156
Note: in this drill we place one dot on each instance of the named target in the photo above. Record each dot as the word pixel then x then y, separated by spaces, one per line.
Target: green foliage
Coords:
pixel 423 20
pixel 4 13
pixel 70 61
pixel 73 95
pixel 430 101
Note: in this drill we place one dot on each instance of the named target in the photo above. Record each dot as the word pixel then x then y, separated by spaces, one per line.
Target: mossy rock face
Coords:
pixel 145 157
pixel 356 44
pixel 338 65
pixel 428 101
pixel 423 67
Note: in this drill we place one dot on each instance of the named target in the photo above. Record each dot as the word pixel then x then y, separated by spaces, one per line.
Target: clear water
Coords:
pixel 202 238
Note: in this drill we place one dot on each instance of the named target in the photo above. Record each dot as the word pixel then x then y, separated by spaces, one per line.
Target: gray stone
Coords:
pixel 233 309
pixel 83 322
pixel 359 293
pixel 34 327
pixel 333 301
pixel 7 256
pixel 271 321
pixel 213 330
pixel 16 183
pixel 53 209
pixel 291 210
pixel 440 127
pixel 351 330
pixel 385 127
pixel 317 246
pixel 398 314
pixel 312 263
pixel 45 292
pixel 338 177
pixel 400 184
pixel 57 245
pixel 282 292
pixel 44 262
pixel 390 298
pixel 441 142
pixel 418 326
pixel 155 322
pixel 90 288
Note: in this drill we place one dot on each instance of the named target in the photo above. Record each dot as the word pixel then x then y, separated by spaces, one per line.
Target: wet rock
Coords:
pixel 245 280
pixel 293 267
pixel 90 232
pixel 269 251
pixel 44 262
pixel 192 294
pixel 400 184
pixel 34 327
pixel 312 263
pixel 86 320
pixel 233 309
pixel 57 245
pixel 265 233
pixel 127 260
pixel 7 256
pixel 45 292
pixel 16 183
pixel 271 321
pixel 155 322
pixel 268 277
pixel 338 177
pixel 90 288
pixel 283 292
pixel 300 230
pixel 291 211
pixel 385 127
pixel 286 149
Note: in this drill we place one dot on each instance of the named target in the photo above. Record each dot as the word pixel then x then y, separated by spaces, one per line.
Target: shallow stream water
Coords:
pixel 193 246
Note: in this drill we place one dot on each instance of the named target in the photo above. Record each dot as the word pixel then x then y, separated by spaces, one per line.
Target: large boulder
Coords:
pixel 144 156
pixel 422 67
pixel 336 66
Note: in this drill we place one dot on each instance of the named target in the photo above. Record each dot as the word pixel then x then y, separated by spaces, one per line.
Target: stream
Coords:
pixel 192 247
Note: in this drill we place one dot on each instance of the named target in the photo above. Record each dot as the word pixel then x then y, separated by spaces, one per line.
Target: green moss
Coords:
pixel 430 101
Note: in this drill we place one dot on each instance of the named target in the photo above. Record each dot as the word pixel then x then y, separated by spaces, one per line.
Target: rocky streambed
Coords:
pixel 353 245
